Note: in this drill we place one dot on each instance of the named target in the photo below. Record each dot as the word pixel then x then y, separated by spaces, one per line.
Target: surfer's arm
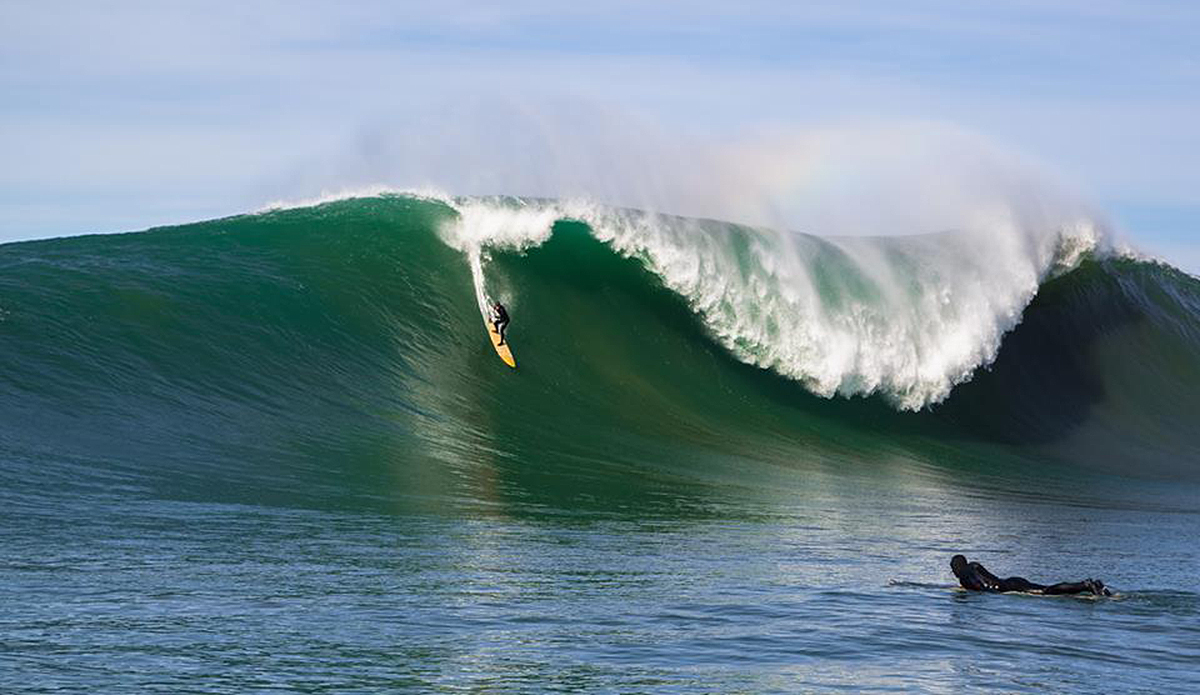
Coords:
pixel 989 581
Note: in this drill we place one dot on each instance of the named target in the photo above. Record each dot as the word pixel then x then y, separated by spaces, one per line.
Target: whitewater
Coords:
pixel 907 318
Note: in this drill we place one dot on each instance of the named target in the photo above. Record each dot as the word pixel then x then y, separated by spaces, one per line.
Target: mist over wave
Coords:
pixel 874 177
pixel 755 230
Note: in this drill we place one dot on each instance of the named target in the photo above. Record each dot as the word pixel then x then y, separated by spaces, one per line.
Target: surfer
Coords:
pixel 500 320
pixel 975 577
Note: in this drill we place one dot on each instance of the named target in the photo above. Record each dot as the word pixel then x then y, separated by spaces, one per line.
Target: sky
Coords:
pixel 123 115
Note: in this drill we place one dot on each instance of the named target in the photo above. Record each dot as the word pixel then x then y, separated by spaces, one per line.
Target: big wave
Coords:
pixel 351 324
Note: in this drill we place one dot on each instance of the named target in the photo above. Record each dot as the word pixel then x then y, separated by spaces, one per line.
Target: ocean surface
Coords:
pixel 276 453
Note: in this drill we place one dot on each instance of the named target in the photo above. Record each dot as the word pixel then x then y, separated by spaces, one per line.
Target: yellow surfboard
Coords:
pixel 502 350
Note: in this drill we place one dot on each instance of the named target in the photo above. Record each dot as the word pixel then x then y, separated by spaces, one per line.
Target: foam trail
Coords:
pixel 474 259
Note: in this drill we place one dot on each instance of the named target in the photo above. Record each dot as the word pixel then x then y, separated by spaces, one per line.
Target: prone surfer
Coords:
pixel 975 577
pixel 500 320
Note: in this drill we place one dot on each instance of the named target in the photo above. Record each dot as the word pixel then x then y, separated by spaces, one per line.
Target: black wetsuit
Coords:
pixel 500 320
pixel 974 576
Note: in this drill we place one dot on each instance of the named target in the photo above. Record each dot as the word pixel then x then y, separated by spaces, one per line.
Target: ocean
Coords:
pixel 276 452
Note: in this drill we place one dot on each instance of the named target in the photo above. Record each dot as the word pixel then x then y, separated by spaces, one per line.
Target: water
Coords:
pixel 273 453
pixel 711 589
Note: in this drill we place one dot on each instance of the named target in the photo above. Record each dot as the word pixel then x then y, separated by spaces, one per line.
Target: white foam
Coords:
pixel 374 191
pixel 907 318
pixel 508 223
pixel 499 223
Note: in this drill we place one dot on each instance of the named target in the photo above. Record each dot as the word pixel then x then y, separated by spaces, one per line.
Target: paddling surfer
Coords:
pixel 975 577
pixel 500 320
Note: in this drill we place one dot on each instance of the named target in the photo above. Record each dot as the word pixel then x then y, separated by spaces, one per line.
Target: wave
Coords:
pixel 352 325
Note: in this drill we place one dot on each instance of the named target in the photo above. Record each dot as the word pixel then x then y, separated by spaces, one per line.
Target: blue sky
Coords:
pixel 123 115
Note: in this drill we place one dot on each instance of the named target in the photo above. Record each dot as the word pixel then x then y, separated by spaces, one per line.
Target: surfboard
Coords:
pixel 502 350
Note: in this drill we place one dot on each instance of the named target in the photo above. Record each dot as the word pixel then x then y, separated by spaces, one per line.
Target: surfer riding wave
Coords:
pixel 500 320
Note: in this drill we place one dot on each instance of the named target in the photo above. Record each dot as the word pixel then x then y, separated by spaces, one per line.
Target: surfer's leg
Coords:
pixel 1020 584
pixel 500 328
pixel 1087 586
pixel 1068 588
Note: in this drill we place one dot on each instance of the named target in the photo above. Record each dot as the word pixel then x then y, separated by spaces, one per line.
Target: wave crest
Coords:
pixel 907 318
